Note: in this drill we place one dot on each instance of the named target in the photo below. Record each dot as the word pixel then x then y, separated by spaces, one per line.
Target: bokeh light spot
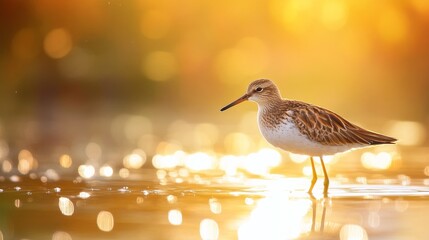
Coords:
pixel 293 14
pixel 86 171
pixel 379 161
pixel 84 195
pixel 298 158
pixel 171 199
pixel 200 161
pixel 60 235
pixel 106 171
pixel 17 203
pixel 215 206
pixel 168 161
pixel 66 161
pixel 26 162
pixel 6 166
pixel 175 217
pixel 105 221
pixel 135 160
pixel 209 229
pixel 66 206
pixel 124 173
pixel 58 43
pixel 353 232
pixel 51 174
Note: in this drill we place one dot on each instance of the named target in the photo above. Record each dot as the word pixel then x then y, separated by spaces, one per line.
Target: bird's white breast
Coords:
pixel 287 136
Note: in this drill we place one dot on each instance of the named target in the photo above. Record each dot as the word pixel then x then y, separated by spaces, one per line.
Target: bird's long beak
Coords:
pixel 241 99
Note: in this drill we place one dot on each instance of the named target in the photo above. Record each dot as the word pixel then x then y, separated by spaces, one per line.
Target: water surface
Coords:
pixel 212 208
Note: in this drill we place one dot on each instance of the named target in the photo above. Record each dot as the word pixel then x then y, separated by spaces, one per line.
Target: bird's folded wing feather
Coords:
pixel 328 128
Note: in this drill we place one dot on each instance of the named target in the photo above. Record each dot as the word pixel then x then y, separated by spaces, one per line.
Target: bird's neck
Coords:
pixel 271 114
pixel 270 104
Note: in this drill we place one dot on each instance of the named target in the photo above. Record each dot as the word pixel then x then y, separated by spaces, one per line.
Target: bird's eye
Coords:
pixel 259 89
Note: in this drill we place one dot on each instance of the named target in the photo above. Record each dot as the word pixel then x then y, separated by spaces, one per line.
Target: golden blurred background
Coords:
pixel 96 83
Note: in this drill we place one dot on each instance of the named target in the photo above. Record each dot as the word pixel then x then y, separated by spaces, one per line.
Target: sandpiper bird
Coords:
pixel 302 128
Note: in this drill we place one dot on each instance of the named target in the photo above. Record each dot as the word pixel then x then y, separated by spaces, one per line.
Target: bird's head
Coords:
pixel 261 91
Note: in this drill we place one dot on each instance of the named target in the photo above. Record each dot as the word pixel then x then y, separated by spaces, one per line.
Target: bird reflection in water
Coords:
pixel 314 232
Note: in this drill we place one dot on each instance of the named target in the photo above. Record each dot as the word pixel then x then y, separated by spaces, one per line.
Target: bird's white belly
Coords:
pixel 288 137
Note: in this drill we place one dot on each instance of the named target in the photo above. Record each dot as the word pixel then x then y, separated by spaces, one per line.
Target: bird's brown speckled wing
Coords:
pixel 329 128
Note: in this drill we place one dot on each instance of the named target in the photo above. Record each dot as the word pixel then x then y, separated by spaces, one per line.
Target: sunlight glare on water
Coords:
pixel 275 217
pixel 160 161
pixel 249 201
pixel 230 163
pixel 261 162
pixel 200 161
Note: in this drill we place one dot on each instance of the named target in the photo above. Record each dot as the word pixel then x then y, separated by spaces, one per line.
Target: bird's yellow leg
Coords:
pixel 314 180
pixel 326 182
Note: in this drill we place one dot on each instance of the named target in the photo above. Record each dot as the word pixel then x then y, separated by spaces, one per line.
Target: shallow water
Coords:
pixel 213 208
